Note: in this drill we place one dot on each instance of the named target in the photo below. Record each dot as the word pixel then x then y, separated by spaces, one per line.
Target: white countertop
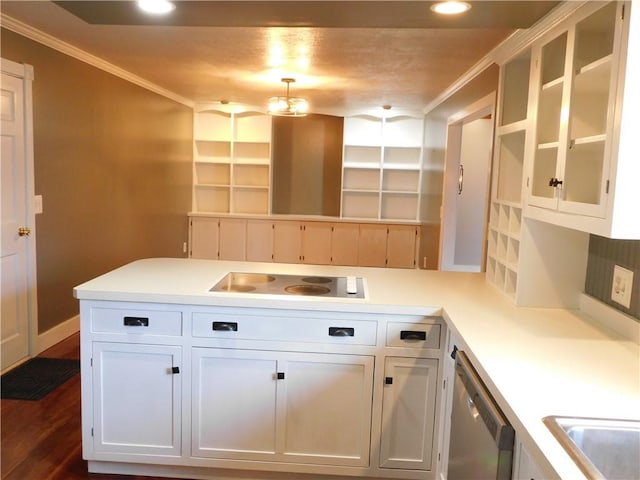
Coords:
pixel 536 362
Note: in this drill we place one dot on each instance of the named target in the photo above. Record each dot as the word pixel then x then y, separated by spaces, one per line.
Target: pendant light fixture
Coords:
pixel 288 106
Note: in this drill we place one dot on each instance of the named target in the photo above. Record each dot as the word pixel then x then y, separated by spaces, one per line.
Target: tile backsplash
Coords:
pixel 604 253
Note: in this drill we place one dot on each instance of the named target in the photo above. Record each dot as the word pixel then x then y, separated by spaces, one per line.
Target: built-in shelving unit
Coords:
pixel 232 161
pixel 505 216
pixel 381 167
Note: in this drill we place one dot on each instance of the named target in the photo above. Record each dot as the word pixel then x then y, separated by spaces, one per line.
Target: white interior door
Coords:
pixel 16 244
pixel 466 187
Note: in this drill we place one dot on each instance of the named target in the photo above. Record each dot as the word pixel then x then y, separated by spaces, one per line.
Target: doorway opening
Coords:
pixel 467 187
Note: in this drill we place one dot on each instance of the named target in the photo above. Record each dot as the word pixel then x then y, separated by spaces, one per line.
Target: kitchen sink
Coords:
pixel 602 448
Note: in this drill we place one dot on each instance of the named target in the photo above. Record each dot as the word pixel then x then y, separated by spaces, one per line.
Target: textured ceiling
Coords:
pixel 345 56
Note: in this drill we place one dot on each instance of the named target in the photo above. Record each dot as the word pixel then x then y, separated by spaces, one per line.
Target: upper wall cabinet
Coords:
pixel 381 167
pixel 232 162
pixel 583 172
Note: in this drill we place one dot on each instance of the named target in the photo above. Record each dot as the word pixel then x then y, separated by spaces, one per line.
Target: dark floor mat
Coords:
pixel 37 377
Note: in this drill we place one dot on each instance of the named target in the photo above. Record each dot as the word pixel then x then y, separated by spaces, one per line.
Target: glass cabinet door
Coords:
pixel 574 116
pixel 549 121
pixel 586 161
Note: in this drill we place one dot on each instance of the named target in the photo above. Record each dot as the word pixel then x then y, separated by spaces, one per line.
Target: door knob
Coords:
pixel 24 231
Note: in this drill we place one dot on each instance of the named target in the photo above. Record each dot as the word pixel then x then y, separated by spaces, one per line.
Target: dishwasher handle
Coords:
pixel 502 432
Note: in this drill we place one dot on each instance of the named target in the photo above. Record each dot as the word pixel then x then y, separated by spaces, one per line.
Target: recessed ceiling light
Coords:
pixel 450 8
pixel 157 7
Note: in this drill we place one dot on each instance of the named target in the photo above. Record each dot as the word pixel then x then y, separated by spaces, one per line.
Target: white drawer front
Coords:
pixel 416 335
pixel 129 321
pixel 315 330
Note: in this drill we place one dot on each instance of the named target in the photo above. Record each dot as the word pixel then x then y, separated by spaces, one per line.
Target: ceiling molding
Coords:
pixel 510 47
pixel 45 39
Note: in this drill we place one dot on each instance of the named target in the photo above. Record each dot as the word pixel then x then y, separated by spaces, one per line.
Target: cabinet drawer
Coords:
pixel 294 329
pixel 129 321
pixel 416 335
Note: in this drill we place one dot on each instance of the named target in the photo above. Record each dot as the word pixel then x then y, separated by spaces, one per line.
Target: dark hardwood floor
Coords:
pixel 40 440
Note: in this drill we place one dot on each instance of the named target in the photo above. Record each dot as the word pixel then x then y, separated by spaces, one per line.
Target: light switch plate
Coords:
pixel 37 204
pixel 622 286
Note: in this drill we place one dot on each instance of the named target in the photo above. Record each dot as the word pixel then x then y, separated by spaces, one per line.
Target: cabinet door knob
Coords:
pixel 280 375
pixel 388 380
pixel 24 231
pixel 175 370
pixel 554 182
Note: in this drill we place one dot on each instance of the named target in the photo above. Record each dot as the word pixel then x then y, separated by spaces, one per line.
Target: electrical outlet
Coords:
pixel 622 286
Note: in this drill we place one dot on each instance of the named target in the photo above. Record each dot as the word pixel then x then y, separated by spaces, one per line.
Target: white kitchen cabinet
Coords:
pixel 408 413
pixel 256 405
pixel 316 243
pixel 287 242
pixel 259 240
pixel 233 404
pixel 583 90
pixel 381 172
pixel 534 263
pixel 232 161
pixel 524 468
pixel 136 398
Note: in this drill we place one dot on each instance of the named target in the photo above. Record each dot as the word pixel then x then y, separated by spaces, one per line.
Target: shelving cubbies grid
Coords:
pixel 232 162
pixel 505 216
pixel 381 173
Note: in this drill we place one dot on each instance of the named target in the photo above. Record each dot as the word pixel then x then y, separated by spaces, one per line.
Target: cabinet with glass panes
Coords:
pixel 582 91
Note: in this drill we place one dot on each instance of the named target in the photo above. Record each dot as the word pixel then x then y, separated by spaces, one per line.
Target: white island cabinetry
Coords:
pixel 187 389
pixel 282 406
pixel 132 361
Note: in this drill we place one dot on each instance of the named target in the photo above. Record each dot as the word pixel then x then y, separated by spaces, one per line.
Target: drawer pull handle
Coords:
pixel 280 375
pixel 341 331
pixel 175 370
pixel 413 335
pixel 388 380
pixel 225 326
pixel 136 321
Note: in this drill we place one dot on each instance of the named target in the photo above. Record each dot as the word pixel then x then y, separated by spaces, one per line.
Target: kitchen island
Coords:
pixel 535 362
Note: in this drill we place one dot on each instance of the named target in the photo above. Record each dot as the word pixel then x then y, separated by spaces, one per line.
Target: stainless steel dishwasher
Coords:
pixel 481 442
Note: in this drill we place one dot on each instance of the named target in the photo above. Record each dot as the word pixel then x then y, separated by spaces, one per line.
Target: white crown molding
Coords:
pixel 510 47
pixel 50 41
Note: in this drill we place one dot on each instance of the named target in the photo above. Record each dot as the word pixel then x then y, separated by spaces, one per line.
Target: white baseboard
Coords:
pixel 56 334
pixel 606 315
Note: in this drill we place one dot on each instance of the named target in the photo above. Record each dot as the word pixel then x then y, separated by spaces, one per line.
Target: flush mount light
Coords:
pixel 156 7
pixel 287 106
pixel 450 8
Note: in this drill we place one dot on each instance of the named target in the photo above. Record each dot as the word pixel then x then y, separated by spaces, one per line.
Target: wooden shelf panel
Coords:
pixel 212 173
pixel 212 199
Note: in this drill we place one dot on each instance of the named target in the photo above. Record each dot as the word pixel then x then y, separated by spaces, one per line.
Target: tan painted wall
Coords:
pixel 307 165
pixel 113 164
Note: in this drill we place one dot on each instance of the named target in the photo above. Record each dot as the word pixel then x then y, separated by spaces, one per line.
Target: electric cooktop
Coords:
pixel 280 284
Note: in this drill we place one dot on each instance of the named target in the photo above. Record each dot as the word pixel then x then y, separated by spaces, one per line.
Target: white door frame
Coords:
pixel 481 108
pixel 25 72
